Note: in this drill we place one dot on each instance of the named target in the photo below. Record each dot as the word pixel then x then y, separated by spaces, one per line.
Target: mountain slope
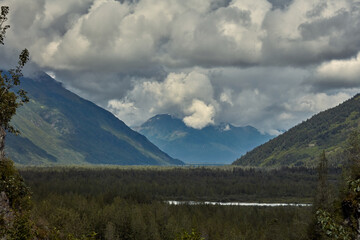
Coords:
pixel 212 145
pixel 59 127
pixel 302 144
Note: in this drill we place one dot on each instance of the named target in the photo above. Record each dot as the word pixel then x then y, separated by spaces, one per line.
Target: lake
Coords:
pixel 246 204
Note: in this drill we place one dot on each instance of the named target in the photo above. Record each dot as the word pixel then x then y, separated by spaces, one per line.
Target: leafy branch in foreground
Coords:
pixel 11 97
pixel 3 18
pixel 15 202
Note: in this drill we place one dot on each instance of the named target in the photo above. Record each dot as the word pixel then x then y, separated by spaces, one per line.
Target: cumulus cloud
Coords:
pixel 180 94
pixel 105 35
pixel 201 114
pixel 338 74
pixel 267 63
pixel 237 96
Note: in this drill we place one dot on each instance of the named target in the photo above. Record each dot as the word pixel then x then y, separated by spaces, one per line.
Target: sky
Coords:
pixel 270 64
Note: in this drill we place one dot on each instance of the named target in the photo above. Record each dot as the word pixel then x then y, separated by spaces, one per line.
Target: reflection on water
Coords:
pixel 240 204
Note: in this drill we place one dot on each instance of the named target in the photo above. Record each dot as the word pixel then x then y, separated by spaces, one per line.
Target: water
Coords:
pixel 246 204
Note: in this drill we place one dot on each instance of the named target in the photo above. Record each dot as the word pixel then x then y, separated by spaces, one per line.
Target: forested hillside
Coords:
pixel 302 144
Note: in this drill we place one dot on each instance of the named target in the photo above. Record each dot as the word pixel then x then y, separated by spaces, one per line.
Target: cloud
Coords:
pixel 338 74
pixel 109 35
pixel 311 32
pixel 201 115
pixel 237 96
pixel 226 97
pixel 180 94
pixel 316 102
pixel 269 64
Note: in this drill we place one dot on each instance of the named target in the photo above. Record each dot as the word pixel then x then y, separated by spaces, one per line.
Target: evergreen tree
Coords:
pixel 351 194
pixel 322 197
pixel 346 223
pixel 321 201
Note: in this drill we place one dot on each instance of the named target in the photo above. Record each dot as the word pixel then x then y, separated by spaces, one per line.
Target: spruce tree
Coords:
pixel 345 224
pixel 351 194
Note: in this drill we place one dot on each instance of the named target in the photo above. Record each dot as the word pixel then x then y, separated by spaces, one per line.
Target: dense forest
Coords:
pixel 145 184
pixel 128 203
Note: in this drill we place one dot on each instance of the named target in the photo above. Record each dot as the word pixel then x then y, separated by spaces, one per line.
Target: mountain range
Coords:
pixel 302 145
pixel 214 144
pixel 59 127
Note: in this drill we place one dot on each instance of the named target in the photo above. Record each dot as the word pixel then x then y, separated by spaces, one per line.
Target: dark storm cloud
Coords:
pixel 326 31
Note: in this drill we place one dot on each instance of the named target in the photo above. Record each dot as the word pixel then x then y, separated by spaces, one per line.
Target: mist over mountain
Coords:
pixel 59 127
pixel 214 144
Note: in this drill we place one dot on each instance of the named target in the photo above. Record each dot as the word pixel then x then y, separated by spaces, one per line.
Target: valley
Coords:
pixel 129 202
pixel 244 115
pixel 214 144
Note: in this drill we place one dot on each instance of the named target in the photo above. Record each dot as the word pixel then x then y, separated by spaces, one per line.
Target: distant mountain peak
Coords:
pixel 214 144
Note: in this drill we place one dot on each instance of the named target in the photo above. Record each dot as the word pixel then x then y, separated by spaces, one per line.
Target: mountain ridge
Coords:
pixel 214 144
pixel 302 144
pixel 59 127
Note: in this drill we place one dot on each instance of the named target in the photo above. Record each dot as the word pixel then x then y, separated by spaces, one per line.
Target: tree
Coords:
pixel 11 97
pixel 351 193
pixel 15 201
pixel 345 224
pixel 322 196
pixel 3 18
pixel 321 201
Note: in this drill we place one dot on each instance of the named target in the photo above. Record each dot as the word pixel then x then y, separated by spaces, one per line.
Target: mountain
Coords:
pixel 219 144
pixel 302 144
pixel 59 127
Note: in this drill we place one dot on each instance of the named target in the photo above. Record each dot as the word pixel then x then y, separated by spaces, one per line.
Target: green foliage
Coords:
pixel 302 144
pixel 10 99
pixel 19 223
pixel 144 184
pixel 332 228
pixel 128 203
pixel 127 219
pixel 3 19
pixel 193 235
pixel 13 185
pixel 353 156
pixel 322 198
pixel 345 224
pixel 16 223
